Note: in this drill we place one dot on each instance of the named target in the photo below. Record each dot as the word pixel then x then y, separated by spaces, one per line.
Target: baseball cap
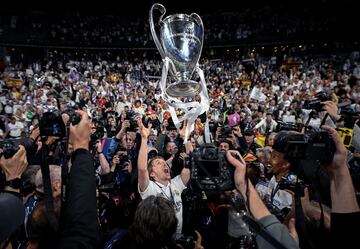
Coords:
pixel 12 215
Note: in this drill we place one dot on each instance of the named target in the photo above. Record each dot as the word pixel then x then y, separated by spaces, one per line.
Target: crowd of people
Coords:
pixel 262 23
pixel 127 170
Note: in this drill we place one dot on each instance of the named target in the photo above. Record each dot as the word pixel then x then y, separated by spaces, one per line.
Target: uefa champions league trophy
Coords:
pixel 180 46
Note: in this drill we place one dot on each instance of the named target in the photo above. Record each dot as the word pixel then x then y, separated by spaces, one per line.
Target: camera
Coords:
pixel 210 169
pixel 285 184
pixel 187 242
pixel 155 122
pixel 315 145
pixel 283 126
pixel 9 149
pixel 123 160
pixel 52 124
pixel 226 131
pixel 131 117
pixel 315 103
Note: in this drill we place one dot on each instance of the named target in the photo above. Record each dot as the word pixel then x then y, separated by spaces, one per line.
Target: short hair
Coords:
pixel 55 175
pixel 281 141
pixel 154 223
pixel 151 161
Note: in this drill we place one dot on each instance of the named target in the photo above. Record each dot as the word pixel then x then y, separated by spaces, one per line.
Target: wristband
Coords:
pixel 14 183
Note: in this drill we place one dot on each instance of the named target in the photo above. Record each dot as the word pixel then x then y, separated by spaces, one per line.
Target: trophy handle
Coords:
pixel 199 20
pixel 162 9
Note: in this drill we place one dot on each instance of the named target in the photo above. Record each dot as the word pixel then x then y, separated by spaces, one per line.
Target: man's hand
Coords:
pixel 35 133
pixel 198 241
pixel 339 162
pixel 125 124
pixel 331 108
pixel 237 131
pixel 80 133
pixel 144 132
pixel 292 230
pixel 14 166
pixel 182 131
pixel 235 159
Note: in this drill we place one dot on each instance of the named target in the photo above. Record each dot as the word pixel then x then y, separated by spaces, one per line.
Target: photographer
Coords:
pixel 12 214
pixel 258 209
pixel 344 207
pixel 154 177
pixel 270 191
pixel 79 226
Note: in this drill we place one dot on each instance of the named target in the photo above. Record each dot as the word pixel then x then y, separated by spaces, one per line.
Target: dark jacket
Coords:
pixel 79 225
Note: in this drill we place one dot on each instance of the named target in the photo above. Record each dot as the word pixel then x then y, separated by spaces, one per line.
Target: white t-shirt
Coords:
pixel 269 191
pixel 172 192
pixel 15 129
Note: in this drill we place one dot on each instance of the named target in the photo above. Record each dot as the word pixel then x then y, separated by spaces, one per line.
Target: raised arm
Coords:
pixel 343 198
pixel 143 174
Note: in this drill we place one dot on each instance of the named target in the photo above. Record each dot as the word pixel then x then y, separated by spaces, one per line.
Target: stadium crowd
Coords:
pixel 136 153
pixel 248 24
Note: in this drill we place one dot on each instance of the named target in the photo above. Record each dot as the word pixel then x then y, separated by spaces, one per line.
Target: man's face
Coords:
pixel 172 133
pixel 268 118
pixel 278 162
pixel 153 138
pixel 171 148
pixel 224 146
pixel 249 139
pixel 160 170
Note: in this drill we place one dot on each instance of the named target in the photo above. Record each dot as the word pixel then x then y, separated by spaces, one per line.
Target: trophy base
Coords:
pixel 184 89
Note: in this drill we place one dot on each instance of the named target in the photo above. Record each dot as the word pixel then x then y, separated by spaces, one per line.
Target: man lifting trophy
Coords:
pixel 180 44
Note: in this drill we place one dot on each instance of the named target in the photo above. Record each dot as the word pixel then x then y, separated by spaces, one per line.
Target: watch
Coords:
pixel 14 183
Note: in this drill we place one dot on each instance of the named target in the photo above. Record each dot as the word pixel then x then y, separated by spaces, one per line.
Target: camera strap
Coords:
pixel 300 217
pixel 49 201
pixel 65 166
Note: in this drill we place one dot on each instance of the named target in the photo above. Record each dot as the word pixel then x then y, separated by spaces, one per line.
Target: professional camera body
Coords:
pixel 211 170
pixel 315 103
pixel 283 126
pixel 226 131
pixel 187 242
pixel 52 124
pixel 9 149
pixel 315 145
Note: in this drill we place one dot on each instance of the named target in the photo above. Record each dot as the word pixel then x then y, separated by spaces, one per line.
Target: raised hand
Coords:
pixel 182 131
pixel 332 109
pixel 235 159
pixel 144 132
pixel 16 165
pixel 80 133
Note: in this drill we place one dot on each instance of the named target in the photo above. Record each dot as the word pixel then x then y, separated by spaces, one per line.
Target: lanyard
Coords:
pixel 163 192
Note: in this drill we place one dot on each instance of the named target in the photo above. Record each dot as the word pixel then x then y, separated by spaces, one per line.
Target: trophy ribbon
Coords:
pixel 191 109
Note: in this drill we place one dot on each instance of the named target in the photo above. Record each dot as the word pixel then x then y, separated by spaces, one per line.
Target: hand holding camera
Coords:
pixel 235 159
pixel 80 133
pixel 339 162
pixel 144 132
pixel 16 165
pixel 331 108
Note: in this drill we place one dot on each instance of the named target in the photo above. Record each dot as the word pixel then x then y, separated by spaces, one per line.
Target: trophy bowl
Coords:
pixel 181 40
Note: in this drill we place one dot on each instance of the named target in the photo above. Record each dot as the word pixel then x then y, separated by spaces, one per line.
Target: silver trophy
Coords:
pixel 181 40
